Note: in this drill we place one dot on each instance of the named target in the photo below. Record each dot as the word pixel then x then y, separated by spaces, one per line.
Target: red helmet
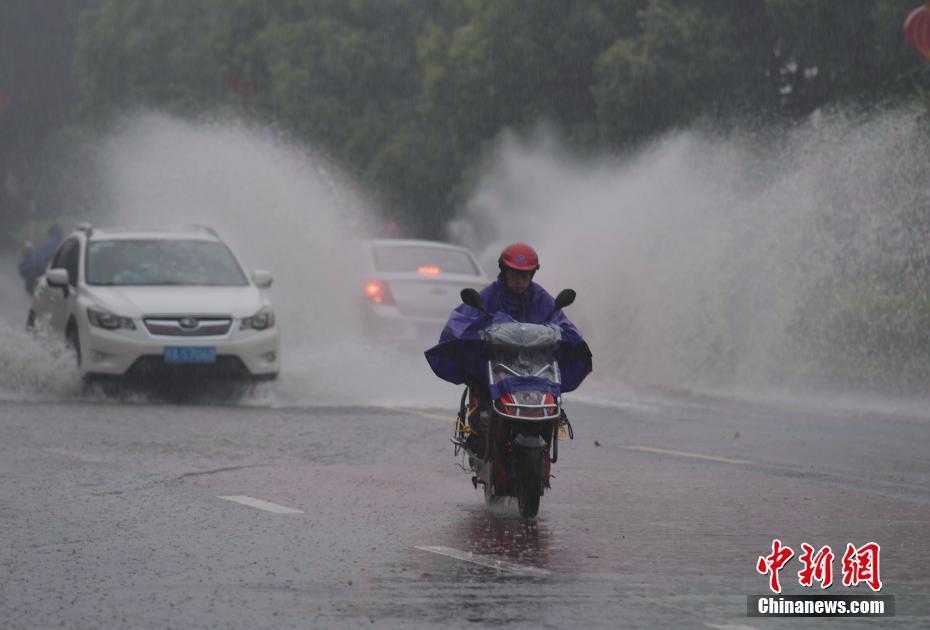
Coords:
pixel 519 256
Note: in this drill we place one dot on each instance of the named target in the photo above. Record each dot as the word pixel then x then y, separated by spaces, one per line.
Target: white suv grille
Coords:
pixel 188 326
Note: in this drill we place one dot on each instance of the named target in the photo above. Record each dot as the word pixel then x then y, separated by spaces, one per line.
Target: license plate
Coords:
pixel 190 354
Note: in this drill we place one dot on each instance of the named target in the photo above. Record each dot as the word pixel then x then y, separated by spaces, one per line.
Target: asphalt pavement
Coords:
pixel 259 509
pixel 155 515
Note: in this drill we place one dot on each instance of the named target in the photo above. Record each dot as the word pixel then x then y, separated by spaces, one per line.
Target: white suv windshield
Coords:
pixel 162 262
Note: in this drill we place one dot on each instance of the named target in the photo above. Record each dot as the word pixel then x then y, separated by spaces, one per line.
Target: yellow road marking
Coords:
pixel 642 449
pixel 424 414
pixel 665 451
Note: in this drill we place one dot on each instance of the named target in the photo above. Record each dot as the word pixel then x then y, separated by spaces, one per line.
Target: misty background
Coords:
pixel 738 190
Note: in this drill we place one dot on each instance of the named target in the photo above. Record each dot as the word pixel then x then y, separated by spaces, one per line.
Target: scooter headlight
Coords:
pixel 529 397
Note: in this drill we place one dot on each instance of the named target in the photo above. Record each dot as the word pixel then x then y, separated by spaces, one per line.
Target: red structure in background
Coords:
pixel 4 100
pixel 917 30
pixel 244 89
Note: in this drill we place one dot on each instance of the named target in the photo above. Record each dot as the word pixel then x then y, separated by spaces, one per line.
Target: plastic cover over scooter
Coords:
pixel 462 354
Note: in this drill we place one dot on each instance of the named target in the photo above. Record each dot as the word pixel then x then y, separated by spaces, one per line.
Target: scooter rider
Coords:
pixel 511 344
pixel 514 293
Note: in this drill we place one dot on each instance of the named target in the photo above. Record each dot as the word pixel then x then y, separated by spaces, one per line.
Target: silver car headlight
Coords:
pixel 109 321
pixel 260 321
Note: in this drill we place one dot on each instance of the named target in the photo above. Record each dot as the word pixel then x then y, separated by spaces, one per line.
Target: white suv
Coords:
pixel 154 300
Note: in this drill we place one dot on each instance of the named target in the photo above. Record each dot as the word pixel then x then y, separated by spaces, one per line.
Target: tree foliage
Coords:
pixel 150 52
pixel 37 97
pixel 409 93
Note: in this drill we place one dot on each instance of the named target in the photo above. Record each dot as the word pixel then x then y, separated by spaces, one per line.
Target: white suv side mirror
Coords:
pixel 262 279
pixel 57 278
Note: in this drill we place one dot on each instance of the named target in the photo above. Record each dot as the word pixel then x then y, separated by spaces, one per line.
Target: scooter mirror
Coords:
pixel 565 298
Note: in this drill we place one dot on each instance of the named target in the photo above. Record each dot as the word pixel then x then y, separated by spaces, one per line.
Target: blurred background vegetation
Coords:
pixel 407 95
pixel 410 96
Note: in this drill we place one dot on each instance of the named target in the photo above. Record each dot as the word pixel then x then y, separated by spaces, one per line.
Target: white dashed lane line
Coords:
pixel 485 561
pixel 263 505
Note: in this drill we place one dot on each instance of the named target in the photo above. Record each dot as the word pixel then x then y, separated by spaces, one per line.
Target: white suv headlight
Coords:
pixel 102 319
pixel 260 321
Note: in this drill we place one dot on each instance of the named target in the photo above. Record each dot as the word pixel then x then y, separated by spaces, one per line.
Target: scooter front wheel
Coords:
pixel 529 483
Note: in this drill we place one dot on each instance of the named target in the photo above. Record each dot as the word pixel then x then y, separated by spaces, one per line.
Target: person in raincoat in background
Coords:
pixel 459 356
pixel 35 258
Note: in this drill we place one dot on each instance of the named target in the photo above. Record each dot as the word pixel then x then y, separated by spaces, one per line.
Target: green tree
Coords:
pixel 346 77
pixel 148 52
pixel 851 51
pixel 691 59
pixel 408 94
pixel 38 95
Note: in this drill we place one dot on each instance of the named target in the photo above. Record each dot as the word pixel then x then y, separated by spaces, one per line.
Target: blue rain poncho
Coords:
pixel 461 354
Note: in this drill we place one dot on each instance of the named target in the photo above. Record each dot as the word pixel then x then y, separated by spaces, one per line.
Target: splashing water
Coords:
pixel 35 369
pixel 744 261
pixel 280 208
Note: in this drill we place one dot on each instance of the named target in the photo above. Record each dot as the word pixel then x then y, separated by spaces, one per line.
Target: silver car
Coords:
pixel 411 286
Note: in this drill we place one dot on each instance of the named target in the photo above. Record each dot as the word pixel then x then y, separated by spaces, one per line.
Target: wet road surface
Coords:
pixel 185 516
